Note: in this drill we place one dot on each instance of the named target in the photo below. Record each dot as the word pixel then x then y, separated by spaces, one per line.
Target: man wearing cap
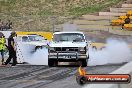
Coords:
pixel 12 50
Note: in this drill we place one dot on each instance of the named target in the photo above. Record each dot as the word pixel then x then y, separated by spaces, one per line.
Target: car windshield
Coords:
pixel 74 37
pixel 35 38
pixel 32 38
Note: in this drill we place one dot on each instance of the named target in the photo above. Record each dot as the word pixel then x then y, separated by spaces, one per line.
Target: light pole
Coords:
pixel 53 18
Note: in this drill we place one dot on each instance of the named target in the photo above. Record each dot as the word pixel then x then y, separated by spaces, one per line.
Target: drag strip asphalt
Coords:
pixel 35 76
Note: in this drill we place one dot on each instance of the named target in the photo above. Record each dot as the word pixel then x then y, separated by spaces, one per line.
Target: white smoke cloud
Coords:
pixel 114 52
pixel 39 57
pixel 69 27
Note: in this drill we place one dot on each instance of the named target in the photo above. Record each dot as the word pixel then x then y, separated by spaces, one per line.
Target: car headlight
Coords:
pixel 51 49
pixel 82 49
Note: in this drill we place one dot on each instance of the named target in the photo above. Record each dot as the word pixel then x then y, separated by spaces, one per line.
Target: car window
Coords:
pixel 68 37
pixel 18 38
pixel 25 39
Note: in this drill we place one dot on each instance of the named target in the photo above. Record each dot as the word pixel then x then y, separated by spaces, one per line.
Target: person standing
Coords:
pixel 2 46
pixel 12 49
pixel 126 21
pixel 9 24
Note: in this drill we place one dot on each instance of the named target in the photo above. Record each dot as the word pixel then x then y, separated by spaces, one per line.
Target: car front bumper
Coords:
pixel 67 56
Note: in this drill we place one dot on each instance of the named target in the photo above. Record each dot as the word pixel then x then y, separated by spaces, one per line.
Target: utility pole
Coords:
pixel 53 19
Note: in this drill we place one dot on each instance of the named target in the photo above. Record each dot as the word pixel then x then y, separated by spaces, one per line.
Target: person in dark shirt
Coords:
pixel 11 48
pixel 126 21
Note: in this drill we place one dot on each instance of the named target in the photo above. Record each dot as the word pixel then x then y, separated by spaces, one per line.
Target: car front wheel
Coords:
pixel 84 63
pixel 52 63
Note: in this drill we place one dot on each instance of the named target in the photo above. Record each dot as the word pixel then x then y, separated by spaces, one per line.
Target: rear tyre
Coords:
pixel 38 47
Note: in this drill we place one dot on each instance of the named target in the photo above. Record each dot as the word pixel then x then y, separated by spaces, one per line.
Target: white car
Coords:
pixel 34 40
pixel 68 47
pixel 27 45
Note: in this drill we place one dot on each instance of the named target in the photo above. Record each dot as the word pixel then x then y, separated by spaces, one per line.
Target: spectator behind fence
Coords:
pixel 9 24
pixel 5 26
pixel 2 26
pixel 126 21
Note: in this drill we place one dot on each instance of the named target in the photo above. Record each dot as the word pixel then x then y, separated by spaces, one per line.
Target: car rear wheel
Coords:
pixel 50 63
pixel 38 47
pixel 84 63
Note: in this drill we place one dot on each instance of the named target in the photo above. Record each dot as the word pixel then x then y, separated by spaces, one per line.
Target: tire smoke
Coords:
pixel 69 27
pixel 39 57
pixel 114 52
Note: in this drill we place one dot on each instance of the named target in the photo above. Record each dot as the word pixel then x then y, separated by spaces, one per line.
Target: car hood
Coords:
pixel 67 44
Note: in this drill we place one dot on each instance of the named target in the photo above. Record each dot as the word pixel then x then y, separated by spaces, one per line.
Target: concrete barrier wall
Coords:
pixel 6 33
pixel 117 31
pixel 47 35
pixel 120 10
pixel 95 17
pixel 110 29
pixel 110 14
pixel 127 5
pixel 126 69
